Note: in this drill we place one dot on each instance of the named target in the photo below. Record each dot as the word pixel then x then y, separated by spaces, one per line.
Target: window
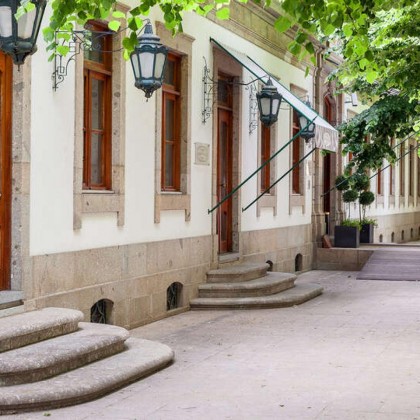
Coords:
pixel 99 140
pixel 173 130
pixel 402 170
pixel 350 159
pixel 97 115
pixel 411 170
pixel 379 182
pixel 265 150
pixel 171 118
pixel 296 156
pixel 391 173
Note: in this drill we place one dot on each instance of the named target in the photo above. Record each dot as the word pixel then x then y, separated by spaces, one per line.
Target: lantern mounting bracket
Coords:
pixel 210 95
pixel 72 43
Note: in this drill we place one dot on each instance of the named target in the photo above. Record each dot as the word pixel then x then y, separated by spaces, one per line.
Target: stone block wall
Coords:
pixel 281 246
pixel 400 227
pixel 134 277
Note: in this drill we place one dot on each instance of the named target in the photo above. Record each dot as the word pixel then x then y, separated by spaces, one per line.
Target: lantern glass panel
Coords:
pixel 146 64
pixel 26 24
pixel 276 105
pixel 265 106
pixel 5 21
pixel 303 122
pixel 160 62
pixel 136 65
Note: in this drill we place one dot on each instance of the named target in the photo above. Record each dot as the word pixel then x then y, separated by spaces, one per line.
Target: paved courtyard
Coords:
pixel 352 353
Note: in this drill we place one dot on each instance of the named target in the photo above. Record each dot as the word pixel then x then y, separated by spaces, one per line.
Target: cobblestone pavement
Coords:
pixel 352 353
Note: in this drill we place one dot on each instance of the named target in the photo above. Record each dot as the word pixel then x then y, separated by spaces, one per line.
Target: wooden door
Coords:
pixel 5 168
pixel 329 116
pixel 224 179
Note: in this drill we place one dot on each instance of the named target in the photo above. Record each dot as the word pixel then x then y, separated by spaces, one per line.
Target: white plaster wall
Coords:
pixel 51 210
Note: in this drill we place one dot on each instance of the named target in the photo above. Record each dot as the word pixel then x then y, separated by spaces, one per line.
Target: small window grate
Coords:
pixel 298 262
pixel 173 294
pixel 100 311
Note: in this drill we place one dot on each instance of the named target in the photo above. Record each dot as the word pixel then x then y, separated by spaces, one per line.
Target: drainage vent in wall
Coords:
pixel 100 312
pixel 173 296
pixel 298 262
pixel 270 263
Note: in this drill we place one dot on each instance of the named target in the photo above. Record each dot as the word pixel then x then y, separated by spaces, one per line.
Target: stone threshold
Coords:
pixel 10 299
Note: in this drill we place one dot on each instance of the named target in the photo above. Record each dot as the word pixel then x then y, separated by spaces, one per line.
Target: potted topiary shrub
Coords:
pixel 366 198
pixel 347 235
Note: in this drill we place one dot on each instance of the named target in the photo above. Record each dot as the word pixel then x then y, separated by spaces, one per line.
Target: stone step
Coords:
pixel 270 284
pixel 14 310
pixel 10 299
pixel 11 303
pixel 31 327
pixel 237 273
pixel 47 358
pixel 295 296
pixel 141 358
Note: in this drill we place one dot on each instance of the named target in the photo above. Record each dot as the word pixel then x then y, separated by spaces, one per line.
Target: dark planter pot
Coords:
pixel 366 234
pixel 346 237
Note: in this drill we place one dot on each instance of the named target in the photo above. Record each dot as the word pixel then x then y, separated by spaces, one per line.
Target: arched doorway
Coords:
pixel 6 71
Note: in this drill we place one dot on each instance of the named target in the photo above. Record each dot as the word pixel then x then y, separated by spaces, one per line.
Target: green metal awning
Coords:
pixel 326 136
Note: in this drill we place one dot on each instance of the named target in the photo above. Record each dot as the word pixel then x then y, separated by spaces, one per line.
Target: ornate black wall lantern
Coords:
pixel 307 126
pixel 269 100
pixel 148 60
pixel 18 37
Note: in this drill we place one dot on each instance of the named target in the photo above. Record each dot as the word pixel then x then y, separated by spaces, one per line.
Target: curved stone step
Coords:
pixel 61 354
pixel 141 358
pixel 237 273
pixel 30 327
pixel 295 296
pixel 270 284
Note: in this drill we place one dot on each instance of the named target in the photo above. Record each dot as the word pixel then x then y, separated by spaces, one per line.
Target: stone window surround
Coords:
pixel 269 199
pixel 101 201
pixel 296 200
pixel 167 200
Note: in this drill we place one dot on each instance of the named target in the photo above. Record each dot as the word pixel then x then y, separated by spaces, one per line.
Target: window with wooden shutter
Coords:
pixel 97 128
pixel 171 125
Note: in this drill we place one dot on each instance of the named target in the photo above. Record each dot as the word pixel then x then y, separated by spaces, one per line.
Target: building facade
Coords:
pixel 110 202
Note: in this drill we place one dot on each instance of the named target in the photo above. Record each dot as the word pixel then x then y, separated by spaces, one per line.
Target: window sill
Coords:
pixel 98 192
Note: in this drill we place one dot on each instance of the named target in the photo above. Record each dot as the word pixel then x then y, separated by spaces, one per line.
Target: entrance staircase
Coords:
pixel 50 359
pixel 251 286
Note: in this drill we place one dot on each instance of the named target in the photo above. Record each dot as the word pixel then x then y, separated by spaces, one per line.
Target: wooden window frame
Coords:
pixel 411 171
pixel 379 182
pixel 296 156
pixel 172 92
pixel 265 154
pixel 100 71
pixel 402 170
